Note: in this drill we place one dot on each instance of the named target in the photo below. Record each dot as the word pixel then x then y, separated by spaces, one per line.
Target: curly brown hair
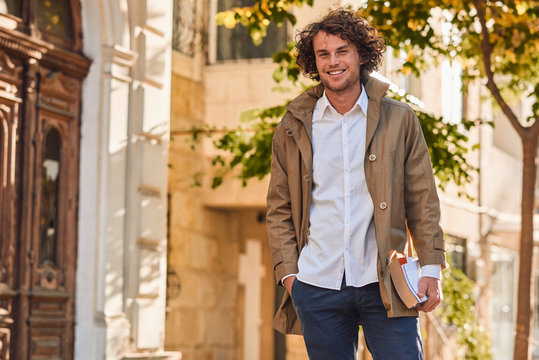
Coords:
pixel 349 27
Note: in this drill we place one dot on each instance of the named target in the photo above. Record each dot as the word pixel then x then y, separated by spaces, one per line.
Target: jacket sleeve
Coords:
pixel 279 221
pixel 420 197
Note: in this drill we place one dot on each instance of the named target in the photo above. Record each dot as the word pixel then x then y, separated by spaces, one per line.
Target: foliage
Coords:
pixel 433 29
pixel 257 18
pixel 458 309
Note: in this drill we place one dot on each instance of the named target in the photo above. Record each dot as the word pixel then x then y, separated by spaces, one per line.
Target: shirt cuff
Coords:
pixel 433 271
pixel 287 276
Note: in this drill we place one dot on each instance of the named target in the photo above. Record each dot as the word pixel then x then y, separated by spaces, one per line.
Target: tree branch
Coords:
pixel 486 49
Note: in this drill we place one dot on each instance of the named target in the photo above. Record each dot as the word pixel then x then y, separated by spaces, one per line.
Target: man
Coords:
pixel 350 175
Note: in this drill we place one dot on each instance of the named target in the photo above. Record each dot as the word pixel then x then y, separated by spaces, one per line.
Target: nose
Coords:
pixel 334 59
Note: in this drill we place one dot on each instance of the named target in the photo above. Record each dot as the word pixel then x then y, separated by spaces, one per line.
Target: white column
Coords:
pixel 102 326
pixel 121 274
pixel 148 159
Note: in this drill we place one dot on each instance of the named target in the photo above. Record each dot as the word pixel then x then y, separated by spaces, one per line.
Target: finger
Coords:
pixel 422 289
pixel 434 301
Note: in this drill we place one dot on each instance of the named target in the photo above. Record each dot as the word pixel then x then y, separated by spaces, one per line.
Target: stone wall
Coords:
pixel 206 301
pixel 202 296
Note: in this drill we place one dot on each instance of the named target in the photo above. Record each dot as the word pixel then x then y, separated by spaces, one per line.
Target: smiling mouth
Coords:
pixel 335 72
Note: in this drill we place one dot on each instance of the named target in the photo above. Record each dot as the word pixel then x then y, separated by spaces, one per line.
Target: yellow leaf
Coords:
pixel 522 7
pixel 515 39
pixel 411 56
pixel 257 37
pixel 511 55
pixel 229 20
pixel 406 70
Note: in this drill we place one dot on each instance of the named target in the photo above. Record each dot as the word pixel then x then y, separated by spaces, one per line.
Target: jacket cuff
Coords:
pixel 434 258
pixel 284 269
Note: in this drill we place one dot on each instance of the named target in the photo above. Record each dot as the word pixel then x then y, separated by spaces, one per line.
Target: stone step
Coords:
pixel 160 355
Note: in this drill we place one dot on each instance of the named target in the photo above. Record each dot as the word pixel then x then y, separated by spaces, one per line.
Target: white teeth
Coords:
pixel 336 72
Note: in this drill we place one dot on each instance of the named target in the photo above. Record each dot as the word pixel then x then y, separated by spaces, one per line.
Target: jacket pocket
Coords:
pixel 439 243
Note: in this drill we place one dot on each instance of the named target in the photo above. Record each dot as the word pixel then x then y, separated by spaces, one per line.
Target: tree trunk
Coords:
pixel 525 278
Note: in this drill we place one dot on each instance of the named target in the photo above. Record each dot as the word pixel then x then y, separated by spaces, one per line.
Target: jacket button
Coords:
pixel 372 157
pixel 383 205
pixel 289 132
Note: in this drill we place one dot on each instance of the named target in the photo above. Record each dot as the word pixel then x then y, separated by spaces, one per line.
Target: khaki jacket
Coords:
pixel 399 177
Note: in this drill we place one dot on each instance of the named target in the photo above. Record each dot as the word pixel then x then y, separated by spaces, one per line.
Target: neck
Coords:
pixel 343 101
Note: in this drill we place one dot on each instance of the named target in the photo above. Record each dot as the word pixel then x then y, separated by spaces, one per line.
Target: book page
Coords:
pixel 411 272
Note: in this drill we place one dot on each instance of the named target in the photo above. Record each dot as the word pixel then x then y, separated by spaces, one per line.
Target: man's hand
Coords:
pixel 288 284
pixel 433 289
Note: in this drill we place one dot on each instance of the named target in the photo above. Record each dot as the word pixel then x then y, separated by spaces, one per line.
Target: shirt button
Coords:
pixel 383 205
pixel 372 157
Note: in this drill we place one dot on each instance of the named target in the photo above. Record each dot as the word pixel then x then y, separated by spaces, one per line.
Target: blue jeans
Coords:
pixel 330 322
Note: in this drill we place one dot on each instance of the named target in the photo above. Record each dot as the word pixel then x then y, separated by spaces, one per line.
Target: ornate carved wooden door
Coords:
pixel 41 71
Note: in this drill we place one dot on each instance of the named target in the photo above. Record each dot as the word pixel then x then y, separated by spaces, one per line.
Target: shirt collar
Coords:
pixel 323 104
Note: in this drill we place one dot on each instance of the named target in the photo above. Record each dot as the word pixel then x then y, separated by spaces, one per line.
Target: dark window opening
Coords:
pixel 234 44
pixel 54 16
pixel 456 248
pixel 49 199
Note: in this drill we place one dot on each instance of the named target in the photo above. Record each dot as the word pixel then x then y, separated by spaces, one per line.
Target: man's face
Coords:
pixel 337 62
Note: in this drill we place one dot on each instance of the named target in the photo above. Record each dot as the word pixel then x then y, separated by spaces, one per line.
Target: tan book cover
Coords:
pixel 405 273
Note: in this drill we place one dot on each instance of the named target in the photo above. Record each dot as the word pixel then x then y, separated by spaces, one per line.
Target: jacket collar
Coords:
pixel 302 107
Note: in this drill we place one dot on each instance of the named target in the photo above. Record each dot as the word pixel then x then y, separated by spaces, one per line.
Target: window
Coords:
pixel 54 16
pixel 456 249
pixel 184 28
pixel 49 20
pixel 48 241
pixel 234 44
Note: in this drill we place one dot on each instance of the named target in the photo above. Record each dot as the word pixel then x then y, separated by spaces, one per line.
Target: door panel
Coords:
pixel 53 240
pixel 39 142
pixel 41 71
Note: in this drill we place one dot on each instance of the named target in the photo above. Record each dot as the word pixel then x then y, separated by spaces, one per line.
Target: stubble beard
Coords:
pixel 348 84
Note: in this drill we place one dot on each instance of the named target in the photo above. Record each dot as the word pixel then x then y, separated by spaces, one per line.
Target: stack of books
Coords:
pixel 405 273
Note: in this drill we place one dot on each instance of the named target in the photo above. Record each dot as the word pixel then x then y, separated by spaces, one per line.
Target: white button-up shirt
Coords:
pixel 342 239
